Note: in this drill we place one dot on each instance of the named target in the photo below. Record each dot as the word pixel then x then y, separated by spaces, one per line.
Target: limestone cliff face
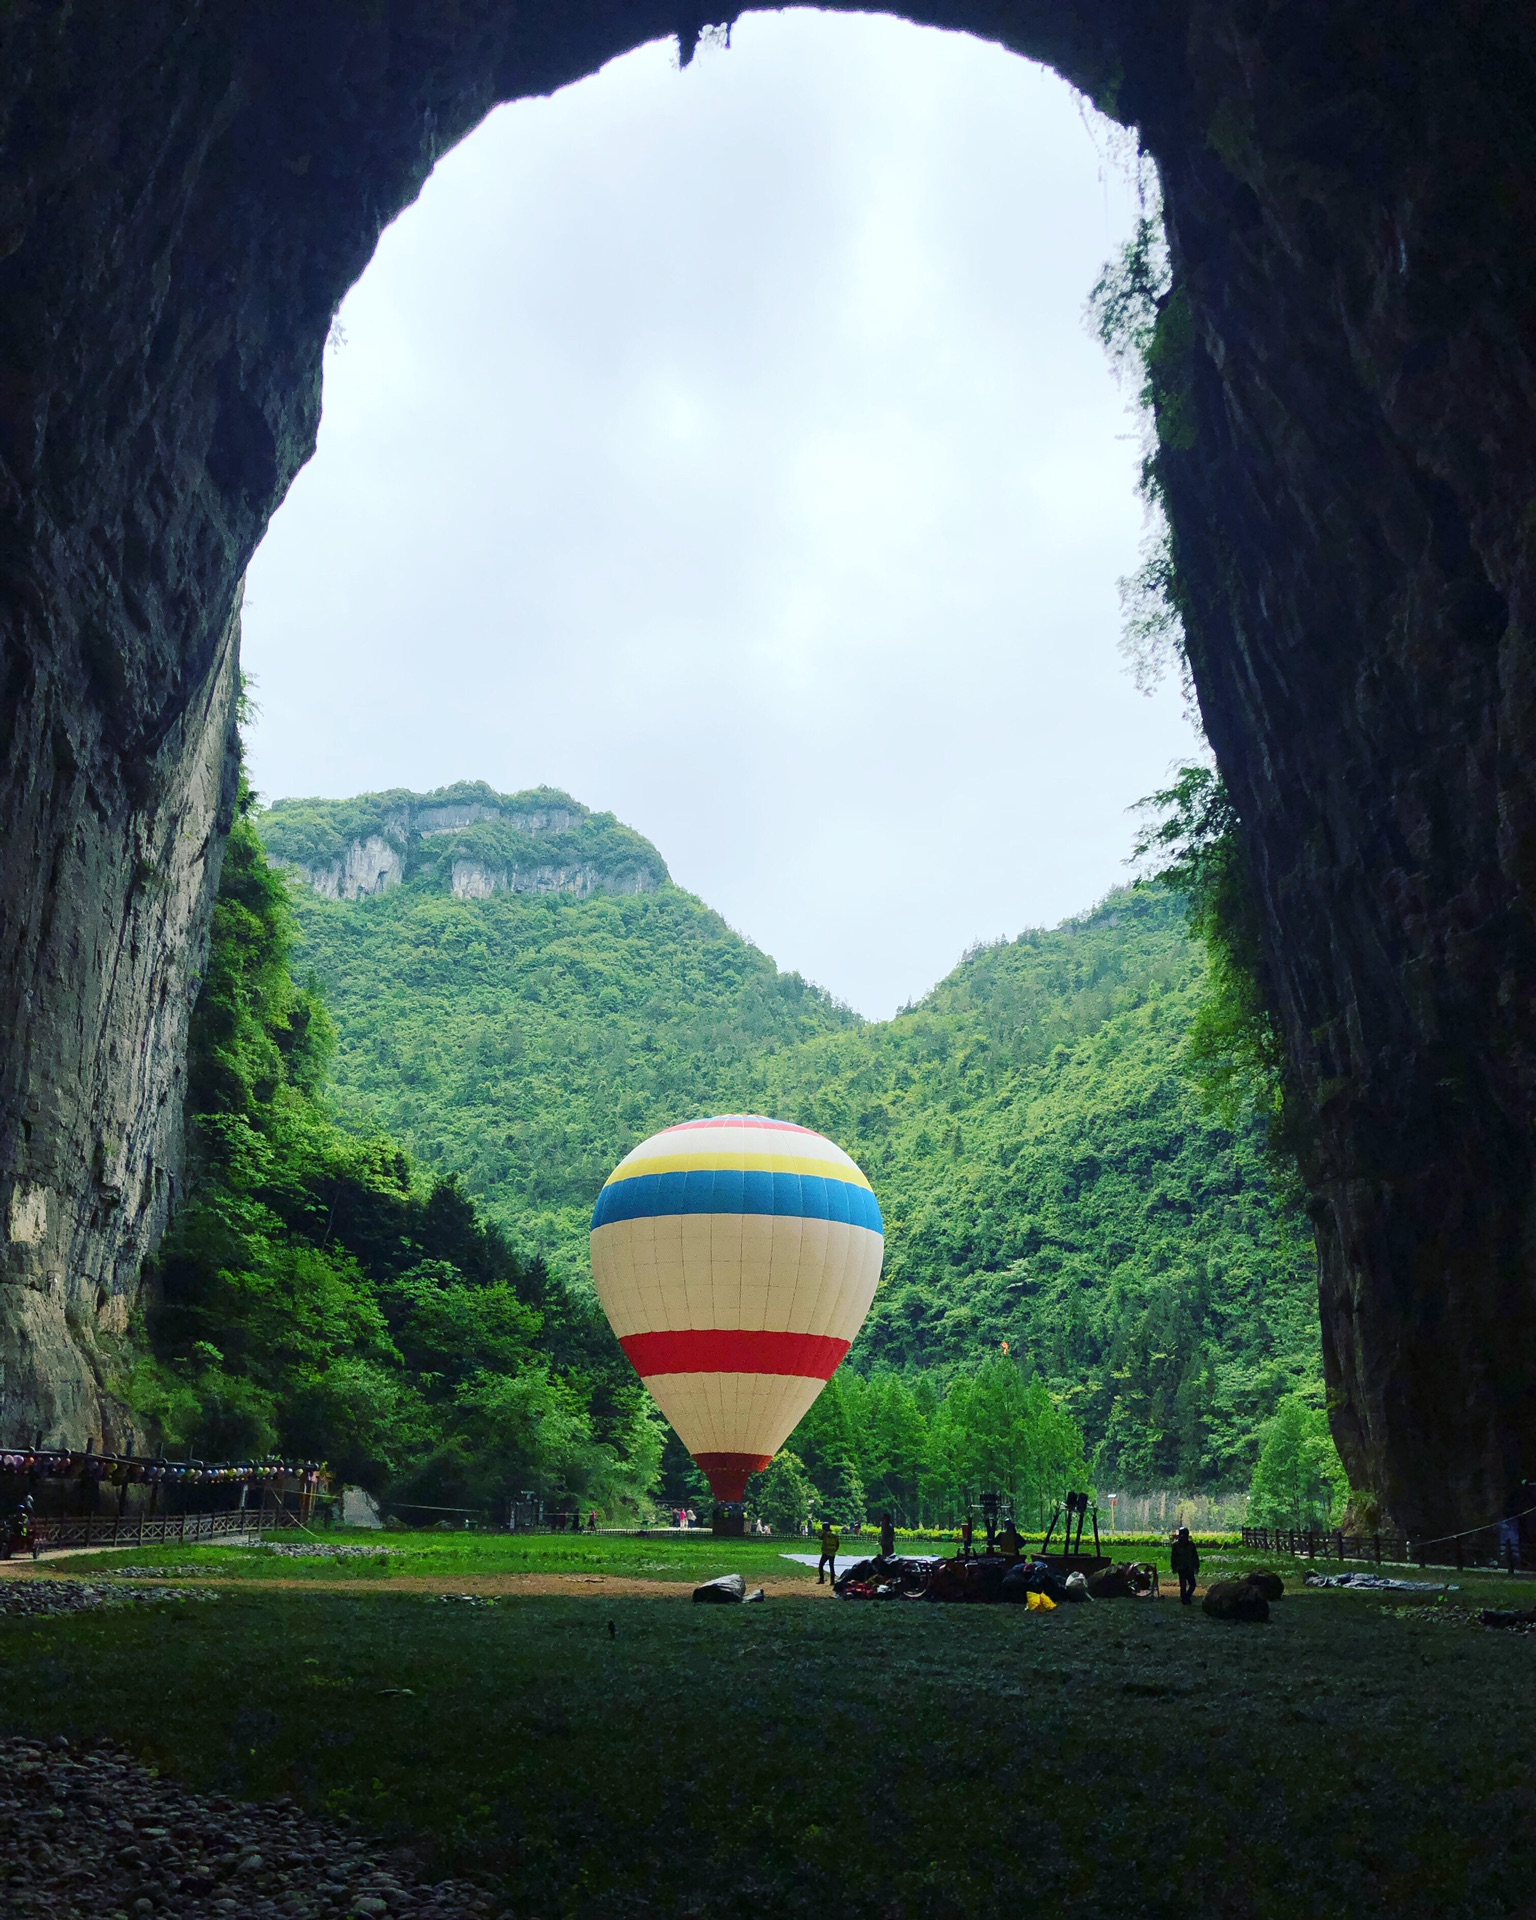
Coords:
pixel 468 840
pixel 367 867
pixel 430 821
pixel 474 880
pixel 93 1072
pixel 1349 191
pixel 186 191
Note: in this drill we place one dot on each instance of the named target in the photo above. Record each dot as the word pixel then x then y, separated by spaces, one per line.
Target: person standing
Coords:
pixel 967 1537
pixel 830 1543
pixel 887 1536
pixel 1185 1559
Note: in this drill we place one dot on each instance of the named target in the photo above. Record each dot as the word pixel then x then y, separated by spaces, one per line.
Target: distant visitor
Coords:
pixel 1185 1560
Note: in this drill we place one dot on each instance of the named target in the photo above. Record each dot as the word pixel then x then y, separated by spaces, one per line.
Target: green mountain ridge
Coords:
pixel 539 840
pixel 528 1039
pixel 1049 1173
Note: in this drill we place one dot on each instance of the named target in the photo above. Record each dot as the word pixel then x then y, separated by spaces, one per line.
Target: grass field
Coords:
pixel 681 1557
pixel 624 1756
pixel 684 1558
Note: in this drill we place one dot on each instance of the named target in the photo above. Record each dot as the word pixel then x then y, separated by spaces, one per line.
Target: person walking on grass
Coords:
pixel 830 1543
pixel 1185 1559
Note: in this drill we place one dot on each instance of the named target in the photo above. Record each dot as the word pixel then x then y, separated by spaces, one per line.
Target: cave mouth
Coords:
pixel 1345 450
pixel 695 416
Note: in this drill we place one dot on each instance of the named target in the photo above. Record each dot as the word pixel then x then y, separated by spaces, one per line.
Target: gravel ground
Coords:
pixel 189 1569
pixel 324 1553
pixel 160 1573
pixel 35 1596
pixel 89 1834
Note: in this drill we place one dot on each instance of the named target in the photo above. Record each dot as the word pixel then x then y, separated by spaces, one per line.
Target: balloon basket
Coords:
pixel 730 1521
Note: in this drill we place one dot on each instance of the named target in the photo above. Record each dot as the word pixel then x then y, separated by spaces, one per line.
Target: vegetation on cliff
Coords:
pixel 1054 1172
pixel 540 829
pixel 1056 1183
pixel 527 1041
pixel 319 1296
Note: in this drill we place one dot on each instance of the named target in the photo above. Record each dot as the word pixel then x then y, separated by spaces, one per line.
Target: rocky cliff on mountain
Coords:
pixel 466 839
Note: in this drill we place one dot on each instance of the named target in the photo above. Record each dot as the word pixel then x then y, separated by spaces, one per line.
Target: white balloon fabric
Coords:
pixel 736 1259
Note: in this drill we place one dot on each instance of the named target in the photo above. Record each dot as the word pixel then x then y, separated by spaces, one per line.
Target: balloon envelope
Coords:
pixel 736 1259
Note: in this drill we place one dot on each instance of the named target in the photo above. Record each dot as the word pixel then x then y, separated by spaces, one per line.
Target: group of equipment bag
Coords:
pixel 991 1577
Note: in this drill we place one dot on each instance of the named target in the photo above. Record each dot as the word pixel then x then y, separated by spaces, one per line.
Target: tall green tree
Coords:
pixel 783 1496
pixel 1299 1480
pixel 998 1431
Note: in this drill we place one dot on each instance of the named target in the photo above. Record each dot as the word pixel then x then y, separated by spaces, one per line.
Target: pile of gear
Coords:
pixel 1246 1599
pixel 993 1577
pixel 1510 1619
pixel 730 1590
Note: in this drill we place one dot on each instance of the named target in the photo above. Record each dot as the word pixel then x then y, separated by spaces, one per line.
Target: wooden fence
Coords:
pixel 1479 1548
pixel 161 1530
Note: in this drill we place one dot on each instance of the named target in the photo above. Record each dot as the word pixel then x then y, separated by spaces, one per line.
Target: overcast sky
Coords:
pixel 727 447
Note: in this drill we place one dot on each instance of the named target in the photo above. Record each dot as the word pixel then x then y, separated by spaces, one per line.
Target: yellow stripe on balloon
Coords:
pixel 728 1162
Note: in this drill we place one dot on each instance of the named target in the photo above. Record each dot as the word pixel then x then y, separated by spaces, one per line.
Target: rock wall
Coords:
pixel 1351 478
pixel 368 867
pixel 186 191
pixel 474 880
pixel 92 1070
pixel 434 820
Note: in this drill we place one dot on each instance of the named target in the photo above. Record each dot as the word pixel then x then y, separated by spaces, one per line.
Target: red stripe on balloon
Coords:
pixel 728 1473
pixel 811 1356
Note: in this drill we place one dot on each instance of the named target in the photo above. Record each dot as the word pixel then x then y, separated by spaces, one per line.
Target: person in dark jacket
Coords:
pixel 1185 1557
pixel 887 1536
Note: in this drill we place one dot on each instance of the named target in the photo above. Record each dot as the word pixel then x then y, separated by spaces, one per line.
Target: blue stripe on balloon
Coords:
pixel 795 1196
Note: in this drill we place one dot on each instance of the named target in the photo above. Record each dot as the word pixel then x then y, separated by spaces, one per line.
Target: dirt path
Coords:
pixel 24 1563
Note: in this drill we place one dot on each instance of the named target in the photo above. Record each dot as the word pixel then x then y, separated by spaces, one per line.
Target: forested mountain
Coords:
pixel 1050 1176
pixel 526 1037
pixel 321 1296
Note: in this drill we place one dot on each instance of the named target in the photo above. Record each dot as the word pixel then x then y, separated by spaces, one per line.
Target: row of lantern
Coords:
pixel 125 1470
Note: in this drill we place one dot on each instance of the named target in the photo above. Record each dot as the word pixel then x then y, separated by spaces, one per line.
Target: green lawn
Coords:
pixel 690 1557
pixel 681 1557
pixel 1353 1758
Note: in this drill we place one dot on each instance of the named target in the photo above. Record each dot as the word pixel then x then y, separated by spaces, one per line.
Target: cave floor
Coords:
pixel 608 1755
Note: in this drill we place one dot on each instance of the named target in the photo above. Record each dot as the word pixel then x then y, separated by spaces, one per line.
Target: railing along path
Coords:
pixel 1457 1550
pixel 159 1530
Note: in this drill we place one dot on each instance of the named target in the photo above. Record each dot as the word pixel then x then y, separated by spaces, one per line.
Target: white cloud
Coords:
pixel 726 446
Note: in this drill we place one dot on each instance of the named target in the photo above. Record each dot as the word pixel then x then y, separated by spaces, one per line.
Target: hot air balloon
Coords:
pixel 736 1259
